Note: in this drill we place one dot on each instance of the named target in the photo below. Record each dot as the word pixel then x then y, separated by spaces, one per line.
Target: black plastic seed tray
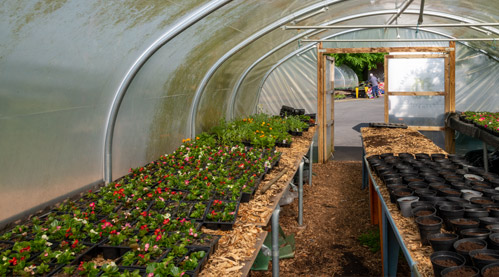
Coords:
pixel 388 125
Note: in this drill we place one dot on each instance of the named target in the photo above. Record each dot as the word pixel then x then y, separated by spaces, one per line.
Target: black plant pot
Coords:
pixel 442 241
pixel 448 192
pixel 481 200
pixel 457 200
pixel 464 246
pixel 468 271
pixel 428 225
pixel 424 211
pixel 459 224
pixel 422 204
pixel 445 259
pixel 490 270
pixel 438 185
pixel 484 221
pixel 494 241
pixel 483 257
pixel 476 213
pixel 490 193
pixel 417 185
pixel 422 193
pixel 449 212
pixel 403 192
pixel 479 233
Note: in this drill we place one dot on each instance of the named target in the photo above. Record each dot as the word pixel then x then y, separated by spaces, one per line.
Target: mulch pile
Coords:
pixel 336 213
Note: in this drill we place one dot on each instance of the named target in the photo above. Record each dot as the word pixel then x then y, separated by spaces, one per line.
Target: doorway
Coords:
pixel 442 98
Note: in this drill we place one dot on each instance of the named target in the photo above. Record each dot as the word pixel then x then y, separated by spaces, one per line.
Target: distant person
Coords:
pixel 374 84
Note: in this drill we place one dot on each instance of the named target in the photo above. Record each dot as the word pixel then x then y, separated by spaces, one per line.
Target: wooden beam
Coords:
pixel 332 109
pixel 416 56
pixel 384 50
pixel 386 89
pixel 426 128
pixel 417 93
pixel 450 142
pixel 320 102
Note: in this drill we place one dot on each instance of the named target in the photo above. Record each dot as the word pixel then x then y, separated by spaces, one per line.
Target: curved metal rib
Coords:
pixel 183 24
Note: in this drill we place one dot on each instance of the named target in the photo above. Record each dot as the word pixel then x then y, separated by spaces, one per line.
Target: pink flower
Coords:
pixel 481 119
pixel 146 247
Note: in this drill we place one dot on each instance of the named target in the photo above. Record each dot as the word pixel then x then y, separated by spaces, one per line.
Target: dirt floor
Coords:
pixel 336 214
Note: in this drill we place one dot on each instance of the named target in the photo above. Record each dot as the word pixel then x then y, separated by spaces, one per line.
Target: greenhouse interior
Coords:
pixel 209 138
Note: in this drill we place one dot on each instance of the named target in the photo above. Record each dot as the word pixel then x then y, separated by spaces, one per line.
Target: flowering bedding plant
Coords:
pixel 154 209
pixel 486 120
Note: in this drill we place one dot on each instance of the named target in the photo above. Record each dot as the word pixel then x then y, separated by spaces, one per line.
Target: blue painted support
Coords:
pixel 364 170
pixel 390 248
pixel 392 239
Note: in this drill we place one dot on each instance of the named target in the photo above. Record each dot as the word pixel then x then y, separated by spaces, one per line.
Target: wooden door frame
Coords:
pixel 450 98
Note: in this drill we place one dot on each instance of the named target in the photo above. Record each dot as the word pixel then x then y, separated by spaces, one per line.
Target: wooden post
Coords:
pixel 450 144
pixel 332 109
pixel 386 89
pixel 320 102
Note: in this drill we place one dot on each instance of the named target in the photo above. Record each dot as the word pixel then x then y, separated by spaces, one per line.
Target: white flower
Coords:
pixel 45 237
pixel 167 216
pixel 84 221
pixel 48 243
pixel 4 258
pixel 112 264
pixel 93 232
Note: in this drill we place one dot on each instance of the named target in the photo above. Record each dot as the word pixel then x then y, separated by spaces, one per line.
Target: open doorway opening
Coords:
pixel 420 107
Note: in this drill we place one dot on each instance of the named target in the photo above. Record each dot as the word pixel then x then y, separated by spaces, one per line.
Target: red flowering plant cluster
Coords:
pixel 486 120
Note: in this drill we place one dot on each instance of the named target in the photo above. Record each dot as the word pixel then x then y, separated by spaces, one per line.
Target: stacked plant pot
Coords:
pixel 455 205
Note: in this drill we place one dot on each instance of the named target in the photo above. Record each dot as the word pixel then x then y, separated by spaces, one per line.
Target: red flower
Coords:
pixel 13 261
pixel 75 243
pixel 166 221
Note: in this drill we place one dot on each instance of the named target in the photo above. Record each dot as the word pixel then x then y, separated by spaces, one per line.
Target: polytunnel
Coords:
pixel 93 88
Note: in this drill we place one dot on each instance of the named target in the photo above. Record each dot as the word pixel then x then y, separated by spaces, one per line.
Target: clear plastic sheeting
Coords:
pixel 417 110
pixel 416 74
pixel 345 77
pixel 477 81
pixel 294 83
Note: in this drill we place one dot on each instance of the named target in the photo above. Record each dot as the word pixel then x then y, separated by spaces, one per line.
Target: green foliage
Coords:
pixel 359 61
pixel 339 96
pixel 371 239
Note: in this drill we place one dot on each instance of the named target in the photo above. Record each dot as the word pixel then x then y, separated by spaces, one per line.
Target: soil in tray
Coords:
pixel 468 246
pixel 491 272
pixel 485 257
pixel 423 213
pixel 446 262
pixel 427 221
pixel 462 272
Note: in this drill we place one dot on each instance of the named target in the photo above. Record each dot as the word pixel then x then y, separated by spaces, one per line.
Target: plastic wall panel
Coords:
pixel 417 110
pixel 294 83
pixel 422 75
pixel 477 81
pixel 60 64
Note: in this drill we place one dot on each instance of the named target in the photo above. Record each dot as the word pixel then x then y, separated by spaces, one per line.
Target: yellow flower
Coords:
pixel 270 128
pixel 197 137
